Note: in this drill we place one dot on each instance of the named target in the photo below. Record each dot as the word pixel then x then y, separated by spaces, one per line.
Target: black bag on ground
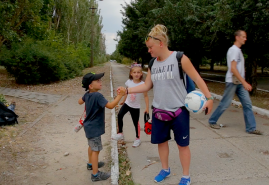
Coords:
pixel 7 117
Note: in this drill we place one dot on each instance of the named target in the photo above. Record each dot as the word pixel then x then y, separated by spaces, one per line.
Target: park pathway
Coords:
pixel 219 157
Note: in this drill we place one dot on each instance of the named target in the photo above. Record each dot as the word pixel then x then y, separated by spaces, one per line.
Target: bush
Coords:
pixel 100 60
pixel 33 62
pixel 3 99
pixel 116 56
pixel 127 61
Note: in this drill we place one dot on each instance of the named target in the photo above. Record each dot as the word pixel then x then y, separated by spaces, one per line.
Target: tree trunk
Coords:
pixel 142 63
pixel 251 75
pixel 197 60
pixel 212 65
pixel 58 22
pixel 2 40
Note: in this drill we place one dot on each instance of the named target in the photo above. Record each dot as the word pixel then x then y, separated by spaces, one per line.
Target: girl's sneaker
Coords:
pixel 137 142
pixel 185 181
pixel 118 136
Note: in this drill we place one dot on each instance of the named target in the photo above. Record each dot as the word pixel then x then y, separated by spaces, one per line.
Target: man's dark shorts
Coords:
pixel 180 125
pixel 95 143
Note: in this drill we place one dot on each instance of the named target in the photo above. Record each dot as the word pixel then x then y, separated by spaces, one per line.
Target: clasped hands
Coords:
pixel 121 91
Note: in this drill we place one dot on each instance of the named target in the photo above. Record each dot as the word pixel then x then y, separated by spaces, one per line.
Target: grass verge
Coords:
pixel 125 175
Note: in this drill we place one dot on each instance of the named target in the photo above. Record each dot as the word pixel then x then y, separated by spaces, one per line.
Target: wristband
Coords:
pixel 210 98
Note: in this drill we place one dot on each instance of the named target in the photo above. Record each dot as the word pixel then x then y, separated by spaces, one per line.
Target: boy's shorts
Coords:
pixel 180 126
pixel 95 143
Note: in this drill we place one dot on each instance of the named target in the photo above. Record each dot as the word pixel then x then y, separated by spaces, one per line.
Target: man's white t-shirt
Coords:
pixel 133 100
pixel 235 54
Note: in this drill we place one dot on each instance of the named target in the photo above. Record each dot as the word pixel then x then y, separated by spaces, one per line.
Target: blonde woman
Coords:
pixel 169 94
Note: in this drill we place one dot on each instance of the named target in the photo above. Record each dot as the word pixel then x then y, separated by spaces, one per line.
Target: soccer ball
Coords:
pixel 195 101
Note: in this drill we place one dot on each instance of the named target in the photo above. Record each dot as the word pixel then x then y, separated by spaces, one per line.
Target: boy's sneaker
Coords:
pixel 137 142
pixel 100 176
pixel 118 136
pixel 162 175
pixel 185 181
pixel 100 165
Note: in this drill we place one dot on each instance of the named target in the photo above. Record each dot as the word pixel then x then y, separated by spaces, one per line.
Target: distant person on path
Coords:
pixel 169 95
pixel 94 123
pixel 131 103
pixel 236 84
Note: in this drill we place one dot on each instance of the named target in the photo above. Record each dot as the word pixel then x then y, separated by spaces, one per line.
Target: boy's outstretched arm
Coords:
pixel 80 101
pixel 111 105
pixel 124 99
pixel 146 101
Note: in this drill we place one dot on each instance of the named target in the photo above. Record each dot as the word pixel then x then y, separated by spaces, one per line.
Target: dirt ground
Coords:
pixel 37 156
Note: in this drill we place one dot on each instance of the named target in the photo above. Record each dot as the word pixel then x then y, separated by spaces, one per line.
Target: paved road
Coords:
pixel 228 156
pixel 263 82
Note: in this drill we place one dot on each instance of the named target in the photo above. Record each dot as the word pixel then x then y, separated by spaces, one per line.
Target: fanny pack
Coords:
pixel 165 115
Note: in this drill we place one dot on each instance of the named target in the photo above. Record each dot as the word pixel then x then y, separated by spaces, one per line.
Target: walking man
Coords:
pixel 235 83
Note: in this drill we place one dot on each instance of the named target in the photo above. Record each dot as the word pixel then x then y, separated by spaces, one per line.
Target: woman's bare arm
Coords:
pixel 145 87
pixel 194 75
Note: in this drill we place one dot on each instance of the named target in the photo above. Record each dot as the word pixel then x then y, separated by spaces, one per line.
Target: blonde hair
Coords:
pixel 160 31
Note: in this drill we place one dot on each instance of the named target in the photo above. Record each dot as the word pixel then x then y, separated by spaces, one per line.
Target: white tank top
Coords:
pixel 169 90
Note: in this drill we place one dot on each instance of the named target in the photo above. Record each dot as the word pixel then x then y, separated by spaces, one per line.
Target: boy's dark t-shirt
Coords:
pixel 94 123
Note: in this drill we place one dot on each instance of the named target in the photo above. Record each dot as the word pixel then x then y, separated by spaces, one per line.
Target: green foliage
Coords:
pixel 137 21
pixel 127 61
pixel 18 17
pixel 200 28
pixel 116 56
pixel 32 62
pixel 46 40
pixel 2 99
pixel 100 59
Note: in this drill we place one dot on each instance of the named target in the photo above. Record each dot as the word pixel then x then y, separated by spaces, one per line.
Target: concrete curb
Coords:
pixel 114 147
pixel 263 90
pixel 257 110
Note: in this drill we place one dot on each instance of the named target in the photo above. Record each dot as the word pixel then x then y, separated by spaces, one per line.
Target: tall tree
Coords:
pixel 15 13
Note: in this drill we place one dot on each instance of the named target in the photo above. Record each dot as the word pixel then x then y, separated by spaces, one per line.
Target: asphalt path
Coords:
pixel 228 156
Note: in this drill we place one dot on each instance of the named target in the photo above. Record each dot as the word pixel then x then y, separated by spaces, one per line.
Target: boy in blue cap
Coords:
pixel 94 123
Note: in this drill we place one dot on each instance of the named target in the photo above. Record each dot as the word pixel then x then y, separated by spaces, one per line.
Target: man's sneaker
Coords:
pixel 215 126
pixel 185 181
pixel 257 132
pixel 118 136
pixel 137 142
pixel 162 175
pixel 100 176
pixel 100 165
